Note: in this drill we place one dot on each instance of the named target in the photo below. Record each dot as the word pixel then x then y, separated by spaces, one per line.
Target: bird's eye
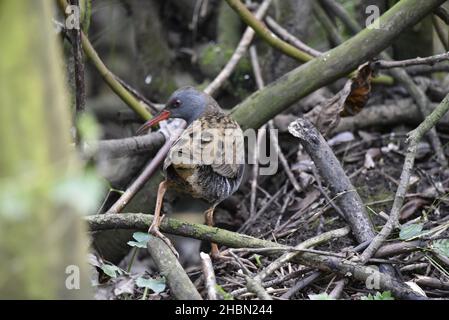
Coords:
pixel 176 103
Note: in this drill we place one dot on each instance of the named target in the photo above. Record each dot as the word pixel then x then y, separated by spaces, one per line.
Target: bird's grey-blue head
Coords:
pixel 186 103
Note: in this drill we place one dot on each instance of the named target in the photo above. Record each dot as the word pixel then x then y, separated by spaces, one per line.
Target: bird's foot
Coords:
pixel 216 255
pixel 154 230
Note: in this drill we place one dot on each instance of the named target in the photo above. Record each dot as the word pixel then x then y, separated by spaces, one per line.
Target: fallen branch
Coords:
pixel 335 178
pixel 137 221
pixel 414 137
pixel 125 147
pixel 178 281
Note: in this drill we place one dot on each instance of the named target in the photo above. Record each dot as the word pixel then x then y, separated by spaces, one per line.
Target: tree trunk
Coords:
pixel 42 239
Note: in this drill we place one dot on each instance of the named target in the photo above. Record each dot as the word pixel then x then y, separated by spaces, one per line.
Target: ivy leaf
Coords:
pixel 321 296
pixel 136 244
pixel 157 285
pixel 111 270
pixel 410 231
pixel 441 246
pixel 141 238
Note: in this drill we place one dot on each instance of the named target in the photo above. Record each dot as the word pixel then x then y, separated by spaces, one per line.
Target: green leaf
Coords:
pixel 258 262
pixel 157 285
pixel 321 296
pixel 111 270
pixel 386 295
pixel 141 238
pixel 137 244
pixel 410 231
pixel 441 246
pixel 223 293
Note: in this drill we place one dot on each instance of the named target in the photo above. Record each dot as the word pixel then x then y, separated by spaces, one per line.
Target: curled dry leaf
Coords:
pixel 348 102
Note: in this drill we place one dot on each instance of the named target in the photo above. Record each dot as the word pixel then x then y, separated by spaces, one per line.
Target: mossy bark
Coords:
pixel 41 242
pixel 236 240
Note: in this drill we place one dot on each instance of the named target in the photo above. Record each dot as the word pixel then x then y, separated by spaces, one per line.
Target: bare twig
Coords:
pixel 275 281
pixel 324 193
pixel 256 216
pixel 282 158
pixel 267 35
pixel 287 36
pixel 279 262
pixel 271 130
pixel 388 64
pixel 243 45
pixel 209 276
pixel 338 289
pixel 138 95
pixel 414 138
pixel 301 284
pixel 252 284
pixel 146 174
pixel 260 134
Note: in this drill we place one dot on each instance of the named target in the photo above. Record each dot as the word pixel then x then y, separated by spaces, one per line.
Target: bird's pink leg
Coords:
pixel 214 252
pixel 154 227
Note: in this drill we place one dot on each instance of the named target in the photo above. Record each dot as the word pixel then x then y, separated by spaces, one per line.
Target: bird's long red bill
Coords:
pixel 163 115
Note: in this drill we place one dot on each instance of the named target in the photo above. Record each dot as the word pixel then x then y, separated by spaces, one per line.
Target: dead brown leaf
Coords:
pixel 348 102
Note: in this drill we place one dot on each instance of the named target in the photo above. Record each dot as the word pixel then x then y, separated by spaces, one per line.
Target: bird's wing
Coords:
pixel 215 142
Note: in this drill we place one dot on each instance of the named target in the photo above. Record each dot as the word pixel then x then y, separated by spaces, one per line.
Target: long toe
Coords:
pixel 154 230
